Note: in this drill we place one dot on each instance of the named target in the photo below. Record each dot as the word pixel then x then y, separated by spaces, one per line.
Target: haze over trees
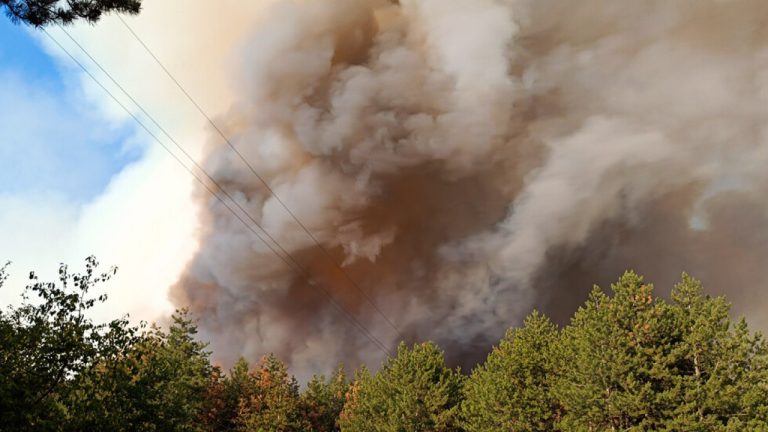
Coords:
pixel 628 361
pixel 41 13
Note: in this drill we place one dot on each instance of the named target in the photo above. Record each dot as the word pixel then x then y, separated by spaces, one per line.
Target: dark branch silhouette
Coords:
pixel 40 13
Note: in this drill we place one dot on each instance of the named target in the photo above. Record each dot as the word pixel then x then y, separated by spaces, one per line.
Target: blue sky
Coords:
pixel 53 139
pixel 79 177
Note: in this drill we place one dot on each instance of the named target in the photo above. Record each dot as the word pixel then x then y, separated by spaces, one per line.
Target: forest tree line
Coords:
pixel 627 361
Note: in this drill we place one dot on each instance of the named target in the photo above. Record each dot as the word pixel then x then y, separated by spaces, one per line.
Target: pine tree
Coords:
pixel 224 395
pixel 323 401
pixel 274 406
pixel 351 416
pixel 414 391
pixel 632 362
pixel 181 371
pixel 44 12
pixel 612 373
pixel 510 391
pixel 720 373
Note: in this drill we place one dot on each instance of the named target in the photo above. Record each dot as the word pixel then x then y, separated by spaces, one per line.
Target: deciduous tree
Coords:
pixel 159 384
pixel 49 339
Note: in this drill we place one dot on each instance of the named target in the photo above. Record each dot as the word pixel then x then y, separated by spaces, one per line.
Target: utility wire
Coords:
pixel 290 261
pixel 263 181
pixel 289 256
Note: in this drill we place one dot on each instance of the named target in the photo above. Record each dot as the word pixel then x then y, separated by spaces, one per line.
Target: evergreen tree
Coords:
pixel 224 396
pixel 510 391
pixel 632 362
pixel 720 374
pixel 44 12
pixel 178 373
pixel 351 416
pixel 323 401
pixel 626 362
pixel 414 391
pixel 275 404
pixel 613 361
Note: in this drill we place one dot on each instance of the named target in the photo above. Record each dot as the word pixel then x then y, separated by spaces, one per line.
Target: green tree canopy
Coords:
pixel 628 361
pixel 44 12
pixel 634 362
pixel 415 391
pixel 225 394
pixel 720 367
pixel 323 401
pixel 611 360
pixel 50 338
pixel 274 406
pixel 159 384
pixel 510 391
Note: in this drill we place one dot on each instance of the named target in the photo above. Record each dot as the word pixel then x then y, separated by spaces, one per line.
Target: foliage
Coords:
pixel 720 367
pixel 510 391
pixel 627 361
pixel 323 401
pixel 158 385
pixel 634 362
pixel 415 391
pixel 612 358
pixel 44 12
pixel 47 340
pixel 274 405
pixel 224 395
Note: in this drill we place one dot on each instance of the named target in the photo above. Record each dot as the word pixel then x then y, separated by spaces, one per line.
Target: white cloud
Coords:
pixel 33 231
pixel 145 220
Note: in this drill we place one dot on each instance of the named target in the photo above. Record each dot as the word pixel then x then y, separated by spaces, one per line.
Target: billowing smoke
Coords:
pixel 469 160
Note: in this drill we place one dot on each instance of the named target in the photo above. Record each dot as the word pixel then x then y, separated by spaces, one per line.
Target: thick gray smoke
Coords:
pixel 469 160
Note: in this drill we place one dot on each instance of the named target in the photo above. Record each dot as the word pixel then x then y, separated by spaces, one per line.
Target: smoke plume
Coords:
pixel 468 160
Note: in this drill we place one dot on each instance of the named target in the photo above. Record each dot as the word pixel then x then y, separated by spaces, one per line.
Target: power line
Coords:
pixel 263 181
pixel 300 268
